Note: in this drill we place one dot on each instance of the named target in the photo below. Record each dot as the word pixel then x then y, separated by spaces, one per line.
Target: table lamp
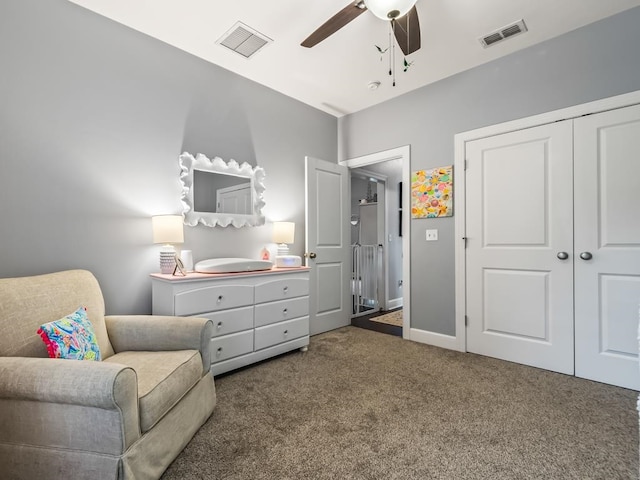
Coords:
pixel 283 234
pixel 167 230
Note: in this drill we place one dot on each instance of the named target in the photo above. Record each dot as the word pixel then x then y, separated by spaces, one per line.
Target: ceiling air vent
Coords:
pixel 503 33
pixel 243 40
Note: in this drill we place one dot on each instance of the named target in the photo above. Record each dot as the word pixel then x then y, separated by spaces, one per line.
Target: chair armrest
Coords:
pixel 157 333
pixel 51 386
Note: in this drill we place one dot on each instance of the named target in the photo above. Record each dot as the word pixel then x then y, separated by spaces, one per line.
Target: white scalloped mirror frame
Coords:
pixel 189 164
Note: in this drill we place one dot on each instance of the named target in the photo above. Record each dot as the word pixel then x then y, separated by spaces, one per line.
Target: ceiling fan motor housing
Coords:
pixel 389 9
pixel 402 14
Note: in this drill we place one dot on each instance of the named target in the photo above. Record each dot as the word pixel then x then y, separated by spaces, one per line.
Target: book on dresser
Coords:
pixel 256 315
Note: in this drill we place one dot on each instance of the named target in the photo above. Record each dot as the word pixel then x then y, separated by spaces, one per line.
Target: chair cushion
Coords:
pixel 71 337
pixel 28 302
pixel 163 379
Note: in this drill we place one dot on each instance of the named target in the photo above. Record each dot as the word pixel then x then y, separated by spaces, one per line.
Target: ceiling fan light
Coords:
pixel 389 9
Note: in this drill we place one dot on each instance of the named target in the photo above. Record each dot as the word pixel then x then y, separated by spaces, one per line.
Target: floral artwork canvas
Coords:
pixel 432 193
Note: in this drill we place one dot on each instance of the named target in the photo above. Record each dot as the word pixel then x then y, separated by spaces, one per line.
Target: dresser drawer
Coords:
pixel 281 289
pixel 231 346
pixel 273 312
pixel 211 299
pixel 230 321
pixel 281 332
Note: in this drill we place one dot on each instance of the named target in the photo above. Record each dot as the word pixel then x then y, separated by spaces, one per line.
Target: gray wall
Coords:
pixel 594 62
pixel 93 116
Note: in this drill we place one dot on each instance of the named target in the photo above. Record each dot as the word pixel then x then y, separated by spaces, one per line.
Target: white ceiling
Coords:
pixel 333 76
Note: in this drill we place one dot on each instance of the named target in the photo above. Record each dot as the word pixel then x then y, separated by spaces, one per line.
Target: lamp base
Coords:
pixel 167 259
pixel 288 261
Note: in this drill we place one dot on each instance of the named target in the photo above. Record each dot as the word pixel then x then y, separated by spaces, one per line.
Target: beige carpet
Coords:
pixel 364 405
pixel 393 318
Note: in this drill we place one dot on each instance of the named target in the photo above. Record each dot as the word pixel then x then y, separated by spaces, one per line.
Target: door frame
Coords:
pixel 459 178
pixel 404 155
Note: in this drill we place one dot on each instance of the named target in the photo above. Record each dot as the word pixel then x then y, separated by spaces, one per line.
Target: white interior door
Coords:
pixel 519 247
pixel 607 246
pixel 328 244
pixel 235 199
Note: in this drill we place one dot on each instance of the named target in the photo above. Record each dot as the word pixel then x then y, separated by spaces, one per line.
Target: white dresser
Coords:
pixel 256 315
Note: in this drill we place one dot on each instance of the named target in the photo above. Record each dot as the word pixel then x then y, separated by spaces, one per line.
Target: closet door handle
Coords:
pixel 586 256
pixel 562 255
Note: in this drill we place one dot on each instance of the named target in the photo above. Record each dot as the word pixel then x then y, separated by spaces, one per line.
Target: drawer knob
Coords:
pixel 285 290
pixel 219 325
pixel 284 312
pixel 219 352
pixel 220 298
pixel 286 332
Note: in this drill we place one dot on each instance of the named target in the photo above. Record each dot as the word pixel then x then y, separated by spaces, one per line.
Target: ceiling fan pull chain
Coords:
pixel 393 61
pixel 390 43
pixel 392 53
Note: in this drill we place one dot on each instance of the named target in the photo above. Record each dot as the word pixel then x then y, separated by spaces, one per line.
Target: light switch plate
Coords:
pixel 432 235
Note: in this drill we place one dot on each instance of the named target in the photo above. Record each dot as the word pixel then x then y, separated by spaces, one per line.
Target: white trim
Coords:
pixel 394 303
pixel 460 141
pixel 460 189
pixel 404 155
pixel 398 153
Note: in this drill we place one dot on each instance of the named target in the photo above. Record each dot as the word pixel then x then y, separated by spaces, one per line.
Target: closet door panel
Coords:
pixel 607 246
pixel 518 219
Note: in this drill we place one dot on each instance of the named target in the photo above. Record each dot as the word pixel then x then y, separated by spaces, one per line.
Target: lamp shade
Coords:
pixel 389 9
pixel 167 229
pixel 283 232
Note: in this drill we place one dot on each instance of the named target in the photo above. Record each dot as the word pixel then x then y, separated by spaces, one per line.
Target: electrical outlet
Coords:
pixel 432 235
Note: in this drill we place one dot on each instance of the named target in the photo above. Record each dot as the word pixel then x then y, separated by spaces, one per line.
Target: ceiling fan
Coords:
pixel 402 14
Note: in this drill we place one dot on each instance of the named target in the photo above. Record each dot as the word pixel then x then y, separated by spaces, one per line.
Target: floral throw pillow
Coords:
pixel 71 337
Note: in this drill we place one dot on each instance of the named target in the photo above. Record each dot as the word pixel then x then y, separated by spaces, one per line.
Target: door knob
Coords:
pixel 562 255
pixel 586 256
pixel 312 255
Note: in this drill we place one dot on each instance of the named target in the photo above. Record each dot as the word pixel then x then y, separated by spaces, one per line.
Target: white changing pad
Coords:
pixel 231 265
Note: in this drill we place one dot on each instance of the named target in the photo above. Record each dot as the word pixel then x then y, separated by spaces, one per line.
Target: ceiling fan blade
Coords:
pixel 335 23
pixel 407 31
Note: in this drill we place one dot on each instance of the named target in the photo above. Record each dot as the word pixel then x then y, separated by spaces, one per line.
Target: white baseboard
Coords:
pixel 394 303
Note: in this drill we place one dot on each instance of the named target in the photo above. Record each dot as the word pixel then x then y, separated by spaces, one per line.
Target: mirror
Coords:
pixel 215 192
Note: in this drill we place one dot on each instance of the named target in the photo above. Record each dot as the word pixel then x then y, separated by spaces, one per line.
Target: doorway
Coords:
pixel 369 248
pixel 380 230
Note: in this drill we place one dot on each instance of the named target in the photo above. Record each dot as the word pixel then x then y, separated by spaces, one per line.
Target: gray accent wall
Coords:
pixel 93 117
pixel 591 63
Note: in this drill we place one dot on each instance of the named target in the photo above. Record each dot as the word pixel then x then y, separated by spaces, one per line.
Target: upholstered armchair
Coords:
pixel 125 417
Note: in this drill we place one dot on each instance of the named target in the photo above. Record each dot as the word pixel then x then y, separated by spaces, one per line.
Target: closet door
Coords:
pixel 519 229
pixel 607 246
